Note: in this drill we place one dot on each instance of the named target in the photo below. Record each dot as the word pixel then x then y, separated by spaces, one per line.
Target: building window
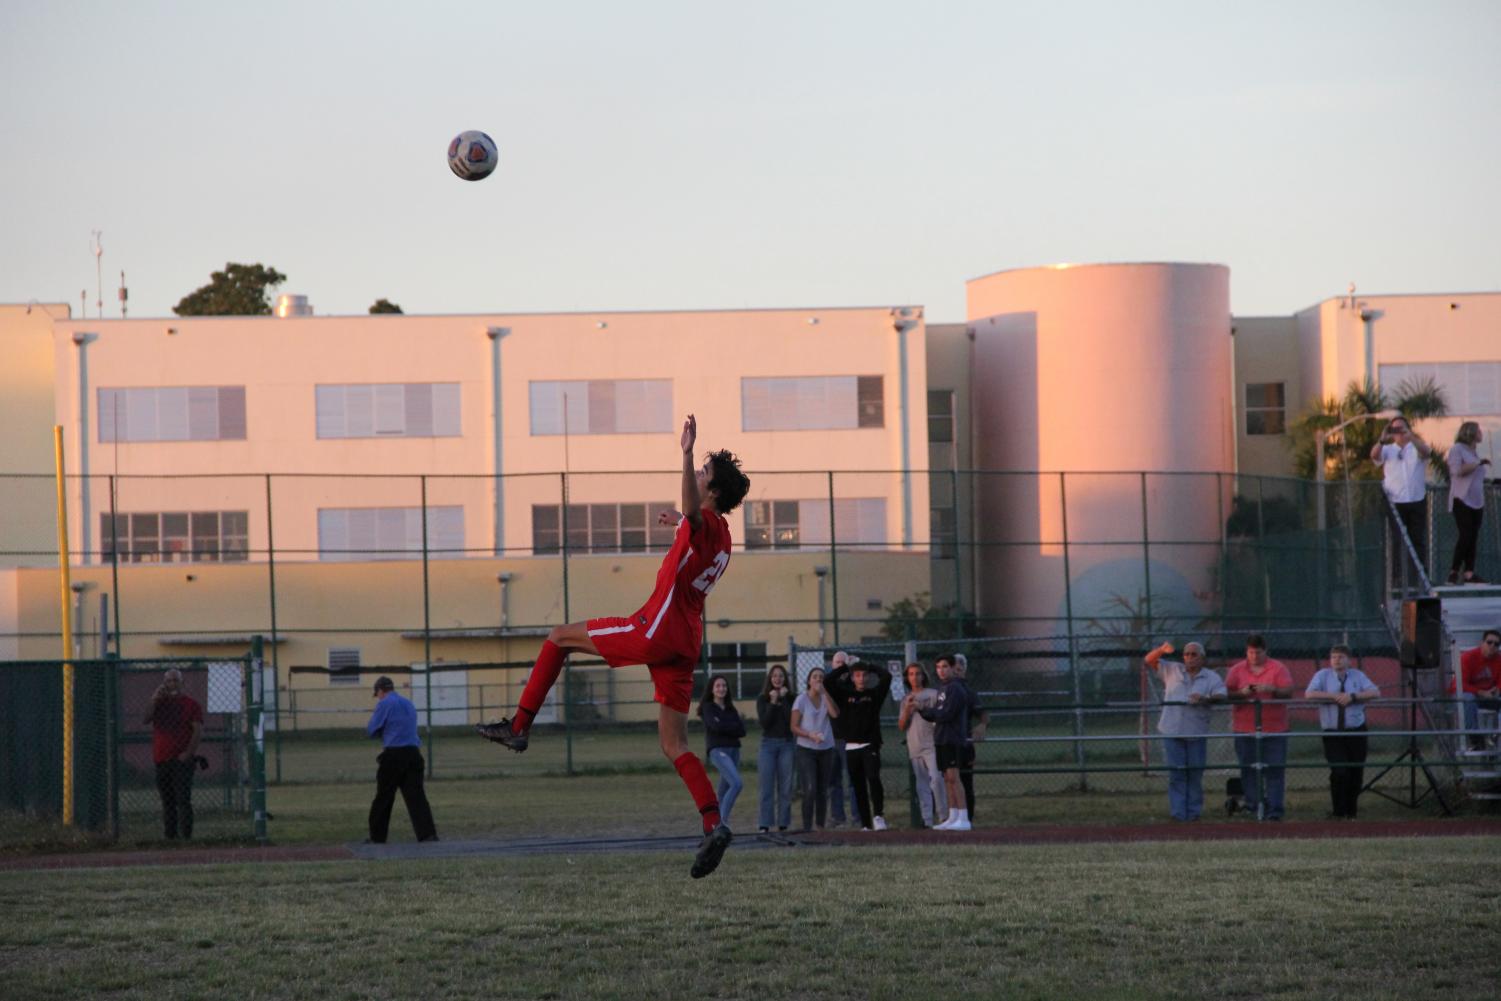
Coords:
pixel 601 528
pixel 744 666
pixel 343 665
pixel 772 525
pixel 176 413
pixel 602 406
pixel 388 410
pixel 812 403
pixel 1266 408
pixel 389 533
pixel 943 533
pixel 175 537
pixel 804 524
pixel 1470 388
pixel 940 415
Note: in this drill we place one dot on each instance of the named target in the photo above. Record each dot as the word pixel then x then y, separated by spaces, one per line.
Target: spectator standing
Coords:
pixel 399 765
pixel 1342 689
pixel 1189 690
pixel 1466 500
pixel 774 761
pixel 1479 676
pixel 837 815
pixel 979 722
pixel 951 712
pixel 927 777
pixel 860 691
pixel 815 747
pixel 1260 725
pixel 723 729
pixel 1402 456
pixel 176 721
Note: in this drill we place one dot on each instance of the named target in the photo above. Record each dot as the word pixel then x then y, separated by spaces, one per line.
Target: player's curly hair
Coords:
pixel 729 483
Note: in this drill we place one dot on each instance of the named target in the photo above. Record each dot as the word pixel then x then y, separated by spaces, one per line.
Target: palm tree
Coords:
pixel 1351 449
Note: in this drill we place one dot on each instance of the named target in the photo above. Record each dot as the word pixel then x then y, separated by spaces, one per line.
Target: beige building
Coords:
pixel 1284 365
pixel 1071 443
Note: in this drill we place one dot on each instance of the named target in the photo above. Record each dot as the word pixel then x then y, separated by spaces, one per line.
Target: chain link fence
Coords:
pixel 133 760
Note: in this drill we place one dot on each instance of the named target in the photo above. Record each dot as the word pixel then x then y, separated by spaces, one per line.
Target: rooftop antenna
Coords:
pixel 124 295
pixel 98 249
pixel 1350 297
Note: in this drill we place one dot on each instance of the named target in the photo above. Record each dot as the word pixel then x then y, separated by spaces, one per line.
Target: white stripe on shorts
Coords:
pixel 666 603
pixel 610 631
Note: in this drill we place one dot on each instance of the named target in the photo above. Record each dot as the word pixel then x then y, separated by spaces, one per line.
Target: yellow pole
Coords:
pixel 67 605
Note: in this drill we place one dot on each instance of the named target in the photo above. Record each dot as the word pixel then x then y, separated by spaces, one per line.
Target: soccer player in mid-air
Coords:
pixel 664 634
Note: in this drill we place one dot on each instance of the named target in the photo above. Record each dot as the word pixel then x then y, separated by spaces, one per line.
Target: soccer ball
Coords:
pixel 472 155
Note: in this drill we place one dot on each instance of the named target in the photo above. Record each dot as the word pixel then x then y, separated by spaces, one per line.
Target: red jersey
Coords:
pixel 1478 672
pixel 689 571
pixel 172 726
pixel 1273 714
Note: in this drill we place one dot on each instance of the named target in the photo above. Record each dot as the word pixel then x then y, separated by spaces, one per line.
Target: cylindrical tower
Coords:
pixel 1101 373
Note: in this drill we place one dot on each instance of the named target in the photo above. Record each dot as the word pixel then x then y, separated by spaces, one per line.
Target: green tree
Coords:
pixel 916 618
pixel 1350 449
pixel 238 290
pixel 385 306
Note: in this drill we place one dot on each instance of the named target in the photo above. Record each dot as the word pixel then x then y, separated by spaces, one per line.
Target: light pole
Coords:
pixel 1322 434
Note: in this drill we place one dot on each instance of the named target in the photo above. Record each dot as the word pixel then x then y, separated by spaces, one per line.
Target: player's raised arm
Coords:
pixel 692 500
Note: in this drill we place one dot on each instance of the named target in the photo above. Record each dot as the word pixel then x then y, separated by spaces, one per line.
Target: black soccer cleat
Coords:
pixel 710 851
pixel 502 732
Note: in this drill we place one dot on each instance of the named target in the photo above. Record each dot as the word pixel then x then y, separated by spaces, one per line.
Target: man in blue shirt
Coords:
pixel 395 723
pixel 1343 690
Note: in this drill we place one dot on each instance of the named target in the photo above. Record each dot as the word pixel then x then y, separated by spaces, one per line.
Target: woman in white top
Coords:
pixel 815 747
pixel 1466 500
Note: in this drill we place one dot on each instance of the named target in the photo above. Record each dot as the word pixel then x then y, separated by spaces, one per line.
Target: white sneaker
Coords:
pixel 961 825
pixel 879 822
pixel 946 824
pixel 868 829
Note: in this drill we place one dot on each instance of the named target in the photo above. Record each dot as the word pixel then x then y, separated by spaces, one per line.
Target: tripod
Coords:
pixel 1413 754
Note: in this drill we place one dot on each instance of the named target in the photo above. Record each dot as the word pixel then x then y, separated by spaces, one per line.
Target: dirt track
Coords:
pixel 1031 835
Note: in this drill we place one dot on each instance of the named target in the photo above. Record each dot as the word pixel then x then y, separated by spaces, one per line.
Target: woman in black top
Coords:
pixel 723 729
pixel 774 760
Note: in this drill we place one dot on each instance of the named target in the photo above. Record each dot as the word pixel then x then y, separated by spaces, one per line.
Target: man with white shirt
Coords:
pixel 1403 457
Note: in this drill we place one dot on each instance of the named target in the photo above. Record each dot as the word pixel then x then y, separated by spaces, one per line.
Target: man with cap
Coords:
pixel 395 723
pixel 1189 692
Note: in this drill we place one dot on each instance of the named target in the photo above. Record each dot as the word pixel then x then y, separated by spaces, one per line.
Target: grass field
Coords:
pixel 624 787
pixel 1401 919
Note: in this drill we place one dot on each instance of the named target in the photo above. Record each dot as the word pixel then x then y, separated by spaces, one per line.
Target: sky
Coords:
pixel 677 155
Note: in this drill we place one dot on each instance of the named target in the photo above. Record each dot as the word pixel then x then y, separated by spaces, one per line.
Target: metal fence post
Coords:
pixel 427 630
pixel 833 557
pixel 564 700
pixel 1258 767
pixel 1073 649
pixel 114 561
pixel 271 584
pixel 256 737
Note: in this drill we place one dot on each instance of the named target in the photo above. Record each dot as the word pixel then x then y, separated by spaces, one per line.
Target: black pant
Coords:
pixel 174 782
pixel 400 768
pixel 1346 751
pixel 816 771
pixel 1414 518
pixel 967 778
pixel 1467 523
pixel 865 782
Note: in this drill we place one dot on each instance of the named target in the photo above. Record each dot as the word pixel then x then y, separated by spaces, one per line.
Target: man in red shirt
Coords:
pixel 1479 676
pixel 176 721
pixel 1256 686
pixel 665 633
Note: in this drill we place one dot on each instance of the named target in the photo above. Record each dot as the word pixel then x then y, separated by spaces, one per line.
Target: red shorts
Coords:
pixel 622 642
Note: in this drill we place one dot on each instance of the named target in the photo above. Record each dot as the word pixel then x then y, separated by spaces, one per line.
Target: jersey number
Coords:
pixel 705 581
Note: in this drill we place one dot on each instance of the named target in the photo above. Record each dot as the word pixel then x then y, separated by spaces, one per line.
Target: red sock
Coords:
pixel 696 779
pixel 544 673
